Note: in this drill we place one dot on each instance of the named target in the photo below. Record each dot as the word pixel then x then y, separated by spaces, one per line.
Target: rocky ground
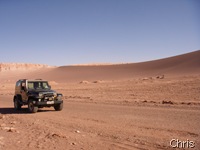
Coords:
pixel 140 113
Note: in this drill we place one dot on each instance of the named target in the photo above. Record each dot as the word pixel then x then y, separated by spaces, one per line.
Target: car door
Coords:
pixel 24 91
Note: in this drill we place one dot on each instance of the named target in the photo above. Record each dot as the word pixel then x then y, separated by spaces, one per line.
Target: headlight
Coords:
pixel 54 94
pixel 59 97
pixel 40 95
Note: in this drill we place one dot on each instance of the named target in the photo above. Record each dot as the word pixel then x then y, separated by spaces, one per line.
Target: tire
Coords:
pixel 31 107
pixel 58 107
pixel 17 105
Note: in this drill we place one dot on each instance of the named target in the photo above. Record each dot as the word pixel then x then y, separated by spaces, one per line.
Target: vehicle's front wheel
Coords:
pixel 58 107
pixel 17 105
pixel 31 107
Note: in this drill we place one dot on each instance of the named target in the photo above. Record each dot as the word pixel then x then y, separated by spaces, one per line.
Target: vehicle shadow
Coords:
pixel 11 110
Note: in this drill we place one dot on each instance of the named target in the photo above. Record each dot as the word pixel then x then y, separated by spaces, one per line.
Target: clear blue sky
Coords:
pixel 65 32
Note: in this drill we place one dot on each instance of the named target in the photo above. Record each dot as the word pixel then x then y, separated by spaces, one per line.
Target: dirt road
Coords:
pixel 97 126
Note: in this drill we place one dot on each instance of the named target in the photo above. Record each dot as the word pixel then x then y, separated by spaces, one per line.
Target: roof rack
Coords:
pixel 22 79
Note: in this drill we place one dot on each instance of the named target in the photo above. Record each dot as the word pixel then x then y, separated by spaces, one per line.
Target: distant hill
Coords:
pixel 186 64
pixel 181 65
pixel 20 66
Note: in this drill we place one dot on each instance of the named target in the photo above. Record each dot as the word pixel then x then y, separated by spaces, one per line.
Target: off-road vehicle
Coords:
pixel 36 94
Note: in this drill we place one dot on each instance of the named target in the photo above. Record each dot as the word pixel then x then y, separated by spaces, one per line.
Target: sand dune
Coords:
pixel 186 64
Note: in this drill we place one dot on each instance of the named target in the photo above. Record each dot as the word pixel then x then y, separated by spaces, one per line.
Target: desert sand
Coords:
pixel 114 106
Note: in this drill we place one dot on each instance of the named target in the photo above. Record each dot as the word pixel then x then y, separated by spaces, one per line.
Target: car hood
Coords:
pixel 41 91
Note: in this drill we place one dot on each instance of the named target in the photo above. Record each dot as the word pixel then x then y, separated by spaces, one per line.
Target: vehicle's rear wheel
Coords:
pixel 58 107
pixel 17 105
pixel 31 107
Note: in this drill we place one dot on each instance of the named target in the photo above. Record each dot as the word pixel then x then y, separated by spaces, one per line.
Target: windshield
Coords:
pixel 35 85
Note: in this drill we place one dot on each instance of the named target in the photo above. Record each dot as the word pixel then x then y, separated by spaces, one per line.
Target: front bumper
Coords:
pixel 47 103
